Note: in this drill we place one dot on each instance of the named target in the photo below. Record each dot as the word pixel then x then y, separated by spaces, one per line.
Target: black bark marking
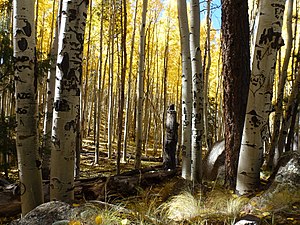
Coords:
pixel 70 125
pixel 279 9
pixel 255 119
pixel 72 14
pixel 22 44
pixel 71 82
pixel 55 141
pixel 27 28
pixel 271 36
pixel 23 96
pixel 61 106
pixel 21 111
pixel 38 163
pixel 258 81
pixel 21 59
pixel 64 65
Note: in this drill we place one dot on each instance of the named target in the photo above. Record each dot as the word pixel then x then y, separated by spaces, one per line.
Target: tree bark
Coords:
pixel 267 42
pixel 281 85
pixel 170 143
pixel 140 89
pixel 236 73
pixel 29 162
pixel 46 145
pixel 128 108
pixel 186 89
pixel 197 86
pixel 67 99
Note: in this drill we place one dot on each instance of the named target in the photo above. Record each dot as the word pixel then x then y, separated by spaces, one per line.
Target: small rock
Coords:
pixel 248 220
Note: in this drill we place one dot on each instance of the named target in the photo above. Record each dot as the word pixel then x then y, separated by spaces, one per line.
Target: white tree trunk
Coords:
pixel 111 84
pixel 197 84
pixel 67 99
pixel 140 89
pixel 186 90
pixel 268 41
pixel 127 118
pixel 281 86
pixel 29 163
pixel 49 101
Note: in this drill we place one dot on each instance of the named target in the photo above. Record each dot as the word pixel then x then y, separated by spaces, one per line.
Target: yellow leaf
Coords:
pixel 98 219
pixel 266 214
pixel 125 221
pixel 290 218
pixel 76 204
pixel 74 222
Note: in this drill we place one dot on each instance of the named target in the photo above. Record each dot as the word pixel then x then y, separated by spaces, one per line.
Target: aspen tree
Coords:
pixel 186 89
pixel 100 90
pixel 197 86
pixel 67 99
pixel 126 123
pixel 29 163
pixel 111 81
pixel 46 148
pixel 267 42
pixel 281 85
pixel 122 81
pixel 140 89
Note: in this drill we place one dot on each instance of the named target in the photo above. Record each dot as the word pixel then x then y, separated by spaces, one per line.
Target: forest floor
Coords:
pixel 170 201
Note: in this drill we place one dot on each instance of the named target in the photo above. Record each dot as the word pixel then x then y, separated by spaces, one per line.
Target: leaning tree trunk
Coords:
pixel 197 113
pixel 281 85
pixel 186 90
pixel 140 89
pixel 67 99
pixel 293 103
pixel 29 163
pixel 236 73
pixel 268 41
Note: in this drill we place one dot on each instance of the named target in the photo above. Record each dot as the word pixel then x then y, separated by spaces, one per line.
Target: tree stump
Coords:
pixel 171 138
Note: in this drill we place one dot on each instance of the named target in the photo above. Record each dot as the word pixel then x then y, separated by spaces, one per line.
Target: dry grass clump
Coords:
pixel 182 207
pixel 218 206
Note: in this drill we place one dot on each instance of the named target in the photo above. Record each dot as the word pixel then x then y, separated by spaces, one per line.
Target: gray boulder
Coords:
pixel 47 213
pixel 214 161
pixel 284 189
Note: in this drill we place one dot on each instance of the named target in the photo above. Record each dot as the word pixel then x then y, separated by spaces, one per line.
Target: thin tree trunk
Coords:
pixel 165 84
pixel 122 83
pixel 140 89
pixel 128 108
pixel 186 89
pixel 85 91
pixel 281 85
pixel 46 145
pixel 100 88
pixel 29 163
pixel 197 85
pixel 293 103
pixel 111 82
pixel 206 69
